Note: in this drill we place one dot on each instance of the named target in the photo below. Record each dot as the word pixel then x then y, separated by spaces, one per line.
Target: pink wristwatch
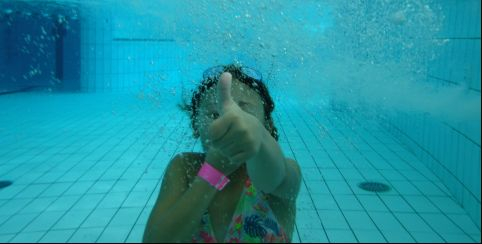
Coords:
pixel 213 176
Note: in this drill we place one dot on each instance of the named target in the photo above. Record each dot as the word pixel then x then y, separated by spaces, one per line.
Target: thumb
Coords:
pixel 224 91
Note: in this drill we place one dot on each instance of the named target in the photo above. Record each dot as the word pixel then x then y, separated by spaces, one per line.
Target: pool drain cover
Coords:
pixel 374 186
pixel 4 183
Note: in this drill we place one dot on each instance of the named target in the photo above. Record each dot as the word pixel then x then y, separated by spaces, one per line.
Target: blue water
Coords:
pixel 379 91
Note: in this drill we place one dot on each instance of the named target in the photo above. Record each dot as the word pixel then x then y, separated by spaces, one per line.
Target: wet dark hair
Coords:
pixel 256 85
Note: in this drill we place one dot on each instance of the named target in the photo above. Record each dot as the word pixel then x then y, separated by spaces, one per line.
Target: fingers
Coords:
pixel 240 157
pixel 218 130
pixel 235 152
pixel 231 149
pixel 224 92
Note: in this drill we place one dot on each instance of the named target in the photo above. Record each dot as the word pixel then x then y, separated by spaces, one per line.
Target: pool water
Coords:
pixel 380 109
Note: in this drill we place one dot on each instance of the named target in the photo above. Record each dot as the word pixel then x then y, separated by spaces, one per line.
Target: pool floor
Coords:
pixel 87 168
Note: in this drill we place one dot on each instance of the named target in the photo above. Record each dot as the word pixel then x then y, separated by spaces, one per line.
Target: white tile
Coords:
pixel 153 198
pixel 351 174
pixel 332 219
pixel 145 186
pixel 324 201
pixel 4 218
pixel 413 222
pixel 99 218
pixel 372 203
pixel 29 178
pixel 56 189
pixel 101 187
pixel 396 203
pixel 441 223
pixel 32 191
pixel 113 200
pixel 428 188
pixel 331 175
pixel 369 236
pixel 312 174
pixel 339 187
pixel 112 174
pixel 27 237
pixel 16 223
pixel 476 238
pixel 465 223
pixel 386 221
pixel 14 205
pixel 144 216
pixel 57 236
pixel 427 237
pixel 447 205
pixel 457 238
pixel 89 201
pixel 11 191
pixel 317 187
pixel 341 236
pixel 123 185
pixel 136 199
pixel 359 220
pixel 348 202
pixel 6 238
pixel 421 204
pixel 313 235
pixel 307 219
pixel 392 175
pixel 136 234
pixel 114 234
pixel 48 178
pixel 398 236
pixel 63 203
pixel 44 221
pixel 125 217
pixel 72 219
pixel 405 188
pixel 86 235
pixel 79 188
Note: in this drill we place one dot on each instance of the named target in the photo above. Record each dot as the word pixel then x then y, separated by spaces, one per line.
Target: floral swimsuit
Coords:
pixel 253 221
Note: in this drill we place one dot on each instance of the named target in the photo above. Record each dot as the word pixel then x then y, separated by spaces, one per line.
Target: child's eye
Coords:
pixel 214 115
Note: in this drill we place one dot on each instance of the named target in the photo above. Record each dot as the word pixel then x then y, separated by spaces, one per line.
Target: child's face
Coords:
pixel 246 98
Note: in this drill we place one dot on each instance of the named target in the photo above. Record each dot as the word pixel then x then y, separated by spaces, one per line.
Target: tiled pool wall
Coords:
pixel 451 149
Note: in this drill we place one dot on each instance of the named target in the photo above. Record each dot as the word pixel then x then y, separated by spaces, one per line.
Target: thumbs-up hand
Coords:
pixel 237 134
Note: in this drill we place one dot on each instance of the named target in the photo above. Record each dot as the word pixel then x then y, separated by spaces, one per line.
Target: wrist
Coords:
pixel 213 176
